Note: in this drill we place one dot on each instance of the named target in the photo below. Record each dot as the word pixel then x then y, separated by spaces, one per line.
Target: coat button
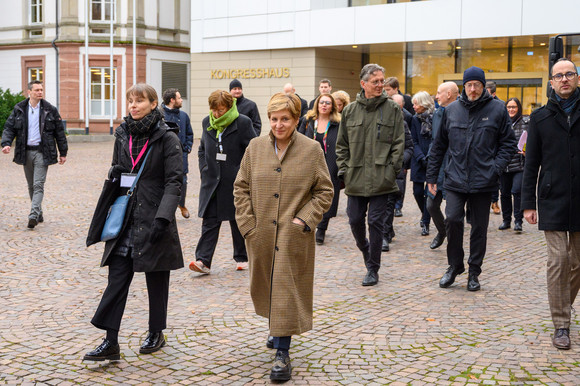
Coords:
pixel 276 195
pixel 274 222
pixel 276 248
pixel 278 170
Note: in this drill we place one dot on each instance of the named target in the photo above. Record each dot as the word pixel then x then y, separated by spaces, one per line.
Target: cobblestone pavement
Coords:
pixel 406 330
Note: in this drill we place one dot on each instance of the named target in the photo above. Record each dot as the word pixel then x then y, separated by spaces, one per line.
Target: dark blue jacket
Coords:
pixel 185 133
pixel 421 144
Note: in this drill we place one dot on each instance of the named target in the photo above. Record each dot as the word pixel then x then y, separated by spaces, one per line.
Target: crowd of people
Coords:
pixel 278 191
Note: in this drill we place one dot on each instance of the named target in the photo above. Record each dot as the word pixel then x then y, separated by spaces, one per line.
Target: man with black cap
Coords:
pixel 476 129
pixel 246 106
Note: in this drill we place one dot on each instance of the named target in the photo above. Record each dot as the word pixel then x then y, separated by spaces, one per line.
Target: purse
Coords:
pixel 116 215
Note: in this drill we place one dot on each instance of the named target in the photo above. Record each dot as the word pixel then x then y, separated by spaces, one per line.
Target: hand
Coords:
pixel 62 160
pixel 531 216
pixel 158 228
pixel 6 149
pixel 432 189
pixel 116 171
pixel 297 221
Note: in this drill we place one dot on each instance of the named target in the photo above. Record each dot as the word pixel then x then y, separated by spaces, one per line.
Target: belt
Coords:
pixel 37 147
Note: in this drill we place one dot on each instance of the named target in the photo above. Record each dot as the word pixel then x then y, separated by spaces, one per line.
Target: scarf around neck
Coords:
pixel 568 104
pixel 143 126
pixel 220 124
pixel 426 119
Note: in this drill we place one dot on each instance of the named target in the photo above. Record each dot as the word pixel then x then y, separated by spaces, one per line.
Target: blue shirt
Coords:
pixel 33 125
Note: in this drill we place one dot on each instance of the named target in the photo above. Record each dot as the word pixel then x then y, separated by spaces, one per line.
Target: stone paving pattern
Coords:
pixel 406 330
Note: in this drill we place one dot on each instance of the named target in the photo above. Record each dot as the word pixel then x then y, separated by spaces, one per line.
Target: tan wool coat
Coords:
pixel 268 194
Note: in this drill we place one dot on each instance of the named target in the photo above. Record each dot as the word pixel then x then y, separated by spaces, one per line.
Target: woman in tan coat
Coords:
pixel 281 192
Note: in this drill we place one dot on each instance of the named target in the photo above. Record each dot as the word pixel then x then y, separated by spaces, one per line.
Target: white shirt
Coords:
pixel 33 125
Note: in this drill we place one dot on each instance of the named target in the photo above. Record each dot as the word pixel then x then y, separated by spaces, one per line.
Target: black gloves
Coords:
pixel 116 171
pixel 158 228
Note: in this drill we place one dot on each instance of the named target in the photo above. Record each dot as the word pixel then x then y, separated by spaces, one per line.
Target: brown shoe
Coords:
pixel 561 338
pixel 184 211
pixel 495 207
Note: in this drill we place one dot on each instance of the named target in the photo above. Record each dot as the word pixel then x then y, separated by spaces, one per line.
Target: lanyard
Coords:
pixel 135 162
pixel 325 133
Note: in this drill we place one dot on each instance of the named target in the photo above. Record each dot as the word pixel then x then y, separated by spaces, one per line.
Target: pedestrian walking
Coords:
pixel 246 106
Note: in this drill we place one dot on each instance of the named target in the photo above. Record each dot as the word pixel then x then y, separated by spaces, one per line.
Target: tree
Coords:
pixel 7 103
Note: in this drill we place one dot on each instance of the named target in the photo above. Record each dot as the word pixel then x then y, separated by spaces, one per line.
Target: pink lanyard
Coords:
pixel 135 162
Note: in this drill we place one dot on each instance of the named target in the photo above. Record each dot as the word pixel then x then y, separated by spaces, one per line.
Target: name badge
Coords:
pixel 127 179
pixel 220 156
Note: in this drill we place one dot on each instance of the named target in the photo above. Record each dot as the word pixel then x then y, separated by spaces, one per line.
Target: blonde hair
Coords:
pixel 342 96
pixel 143 90
pixel 219 98
pixel 281 101
pixel 334 114
pixel 422 98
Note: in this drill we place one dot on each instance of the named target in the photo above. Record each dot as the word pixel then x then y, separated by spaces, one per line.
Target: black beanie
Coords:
pixel 235 83
pixel 474 73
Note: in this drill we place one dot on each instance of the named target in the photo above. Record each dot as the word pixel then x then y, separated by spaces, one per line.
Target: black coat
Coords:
pixel 156 196
pixel 250 110
pixel 217 177
pixel 307 128
pixel 553 150
pixel 181 119
pixel 51 132
pixel 303 106
pixel 421 145
pixel 516 164
pixel 479 142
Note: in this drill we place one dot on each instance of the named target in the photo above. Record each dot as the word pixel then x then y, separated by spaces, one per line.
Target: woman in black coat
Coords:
pixel 321 124
pixel 226 134
pixel 148 241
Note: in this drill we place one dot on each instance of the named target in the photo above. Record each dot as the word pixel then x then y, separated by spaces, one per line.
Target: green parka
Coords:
pixel 370 146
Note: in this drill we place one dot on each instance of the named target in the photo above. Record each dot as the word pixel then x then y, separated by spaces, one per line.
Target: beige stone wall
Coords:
pixel 341 67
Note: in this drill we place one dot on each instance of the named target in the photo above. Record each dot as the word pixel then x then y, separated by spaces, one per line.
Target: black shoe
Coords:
pixel 473 283
pixel 371 278
pixel 449 277
pixel 105 351
pixel 320 233
pixel 561 338
pixel 425 230
pixel 391 236
pixel 505 225
pixel 518 227
pixel 40 219
pixel 282 368
pixel 398 213
pixel 32 222
pixel 153 342
pixel 385 247
pixel 437 241
pixel 270 342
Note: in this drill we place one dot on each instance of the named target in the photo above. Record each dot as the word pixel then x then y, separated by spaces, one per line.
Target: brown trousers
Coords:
pixel 563 274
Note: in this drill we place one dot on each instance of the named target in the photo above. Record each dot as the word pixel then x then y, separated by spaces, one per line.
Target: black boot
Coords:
pixel 105 351
pixel 282 368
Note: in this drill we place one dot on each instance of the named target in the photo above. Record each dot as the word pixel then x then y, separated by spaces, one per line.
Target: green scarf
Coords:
pixel 220 124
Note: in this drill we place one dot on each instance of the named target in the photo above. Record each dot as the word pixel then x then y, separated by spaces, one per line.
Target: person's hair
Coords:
pixel 392 82
pixel 342 96
pixel 169 94
pixel 32 83
pixel 325 81
pixel 491 86
pixel 281 101
pixel 143 90
pixel 517 103
pixel 422 98
pixel 369 69
pixel 563 60
pixel 220 97
pixel 334 114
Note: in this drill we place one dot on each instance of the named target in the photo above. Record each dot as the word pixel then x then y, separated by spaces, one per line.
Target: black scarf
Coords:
pixel 140 131
pixel 426 119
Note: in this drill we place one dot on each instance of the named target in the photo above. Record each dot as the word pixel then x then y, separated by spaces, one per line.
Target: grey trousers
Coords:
pixel 35 171
pixel 563 273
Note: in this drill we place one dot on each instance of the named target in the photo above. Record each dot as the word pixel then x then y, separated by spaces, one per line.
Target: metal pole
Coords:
pixel 134 41
pixel 87 69
pixel 57 60
pixel 111 105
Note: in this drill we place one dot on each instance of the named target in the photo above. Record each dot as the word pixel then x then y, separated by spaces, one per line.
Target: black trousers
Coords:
pixel 455 212
pixel 183 191
pixel 112 306
pixel 420 194
pixel 210 231
pixel 390 214
pixel 511 184
pixel 434 208
pixel 356 209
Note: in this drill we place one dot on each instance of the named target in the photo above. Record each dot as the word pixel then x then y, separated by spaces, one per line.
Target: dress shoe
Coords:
pixel 561 338
pixel 391 236
pixel 385 246
pixel 153 342
pixel 184 211
pixel 40 219
pixel 198 266
pixel 371 278
pixel 473 283
pixel 398 213
pixel 495 207
pixel 270 342
pixel 32 222
pixel 449 276
pixel 505 225
pixel 320 233
pixel 437 241
pixel 425 230
pixel 104 351
pixel 282 368
pixel 518 227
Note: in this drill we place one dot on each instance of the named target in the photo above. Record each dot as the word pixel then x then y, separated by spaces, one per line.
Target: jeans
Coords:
pixel 35 171
pixel 511 184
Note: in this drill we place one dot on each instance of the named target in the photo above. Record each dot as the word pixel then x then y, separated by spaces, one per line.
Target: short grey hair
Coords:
pixel 370 69
pixel 422 98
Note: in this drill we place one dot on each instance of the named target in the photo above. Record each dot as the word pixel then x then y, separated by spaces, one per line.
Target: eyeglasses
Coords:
pixel 328 103
pixel 512 107
pixel 378 82
pixel 569 75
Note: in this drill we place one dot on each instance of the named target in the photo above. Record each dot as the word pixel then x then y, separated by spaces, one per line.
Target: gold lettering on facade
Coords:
pixel 251 73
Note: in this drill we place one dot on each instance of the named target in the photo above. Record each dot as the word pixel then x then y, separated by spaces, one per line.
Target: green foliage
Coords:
pixel 7 103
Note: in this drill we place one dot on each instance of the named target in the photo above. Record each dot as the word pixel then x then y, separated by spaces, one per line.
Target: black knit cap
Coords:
pixel 474 73
pixel 235 83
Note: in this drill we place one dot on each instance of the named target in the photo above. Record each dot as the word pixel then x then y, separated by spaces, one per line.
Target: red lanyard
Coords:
pixel 135 162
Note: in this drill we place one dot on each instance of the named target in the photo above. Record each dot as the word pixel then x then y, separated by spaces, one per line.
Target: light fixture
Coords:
pixel 457 47
pixel 354 46
pixel 478 50
pixel 429 43
pixel 542 44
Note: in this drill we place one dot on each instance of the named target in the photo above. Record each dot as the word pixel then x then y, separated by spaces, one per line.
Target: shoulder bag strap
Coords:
pixel 130 192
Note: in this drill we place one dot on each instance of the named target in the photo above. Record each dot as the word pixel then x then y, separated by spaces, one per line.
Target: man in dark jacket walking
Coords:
pixel 172 103
pixel 552 150
pixel 246 106
pixel 476 129
pixel 37 127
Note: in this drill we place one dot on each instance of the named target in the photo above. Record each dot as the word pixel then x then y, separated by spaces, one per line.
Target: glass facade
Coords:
pixel 101 84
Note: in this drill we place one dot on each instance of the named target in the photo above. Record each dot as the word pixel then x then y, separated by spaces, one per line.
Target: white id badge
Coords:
pixel 127 179
pixel 220 156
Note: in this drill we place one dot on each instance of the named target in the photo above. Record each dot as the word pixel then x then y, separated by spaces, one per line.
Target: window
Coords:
pixel 101 84
pixel 35 73
pixel 35 11
pixel 101 10
pixel 174 75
